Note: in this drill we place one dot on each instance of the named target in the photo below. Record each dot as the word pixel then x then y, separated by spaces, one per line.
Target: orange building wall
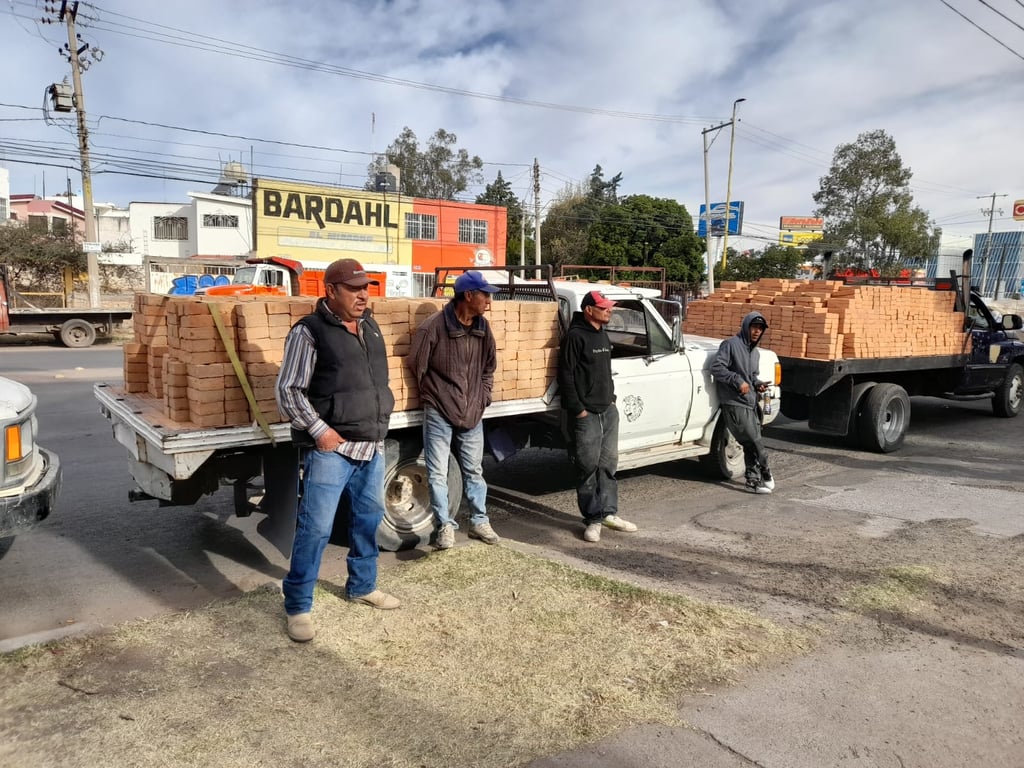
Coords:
pixel 446 250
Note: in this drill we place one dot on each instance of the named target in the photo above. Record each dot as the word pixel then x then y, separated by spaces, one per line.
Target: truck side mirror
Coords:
pixel 1012 323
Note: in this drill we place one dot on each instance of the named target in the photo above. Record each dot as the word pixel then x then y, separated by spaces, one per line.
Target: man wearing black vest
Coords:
pixel 333 388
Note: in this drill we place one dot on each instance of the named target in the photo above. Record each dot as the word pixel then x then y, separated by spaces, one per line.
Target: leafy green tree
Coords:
pixel 499 192
pixel 439 171
pixel 605 191
pixel 644 231
pixel 772 261
pixel 38 259
pixel 870 218
pixel 565 231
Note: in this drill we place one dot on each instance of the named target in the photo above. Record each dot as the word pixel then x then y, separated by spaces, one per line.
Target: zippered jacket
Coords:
pixel 737 361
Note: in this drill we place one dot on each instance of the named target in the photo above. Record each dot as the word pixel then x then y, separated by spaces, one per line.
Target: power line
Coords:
pixel 983 31
pixel 1000 13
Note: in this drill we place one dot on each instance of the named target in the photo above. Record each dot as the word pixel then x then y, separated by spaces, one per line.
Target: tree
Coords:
pixel 870 219
pixel 38 259
pixel 771 261
pixel 644 231
pixel 605 191
pixel 576 209
pixel 499 192
pixel 440 171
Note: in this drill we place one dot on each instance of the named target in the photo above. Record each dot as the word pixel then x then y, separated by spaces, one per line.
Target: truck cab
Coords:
pixel 996 357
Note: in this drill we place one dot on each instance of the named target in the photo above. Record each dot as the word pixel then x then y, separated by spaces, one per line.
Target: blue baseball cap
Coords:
pixel 473 281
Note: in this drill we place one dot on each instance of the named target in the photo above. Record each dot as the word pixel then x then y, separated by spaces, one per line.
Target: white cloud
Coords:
pixel 813 75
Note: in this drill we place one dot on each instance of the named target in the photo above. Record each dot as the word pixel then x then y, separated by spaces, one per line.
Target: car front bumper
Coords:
pixel 19 513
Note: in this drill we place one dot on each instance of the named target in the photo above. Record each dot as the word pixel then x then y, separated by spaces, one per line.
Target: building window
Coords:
pixel 38 224
pixel 473 231
pixel 220 220
pixel 3 209
pixel 59 226
pixel 170 228
pixel 420 226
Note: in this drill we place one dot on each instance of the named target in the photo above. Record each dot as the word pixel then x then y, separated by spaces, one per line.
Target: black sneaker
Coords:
pixel 767 480
pixel 757 486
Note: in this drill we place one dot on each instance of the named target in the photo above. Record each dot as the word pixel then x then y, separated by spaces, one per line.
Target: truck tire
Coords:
pixel 1010 395
pixel 408 522
pixel 726 458
pixel 884 418
pixel 77 333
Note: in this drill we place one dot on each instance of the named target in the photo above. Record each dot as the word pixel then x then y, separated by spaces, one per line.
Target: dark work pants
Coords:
pixel 594 452
pixel 745 425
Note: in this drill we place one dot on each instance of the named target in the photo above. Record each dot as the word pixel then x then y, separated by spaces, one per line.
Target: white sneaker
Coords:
pixel 767 480
pixel 592 533
pixel 445 537
pixel 616 523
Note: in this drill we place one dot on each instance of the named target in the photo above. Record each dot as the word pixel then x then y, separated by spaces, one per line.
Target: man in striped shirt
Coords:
pixel 333 388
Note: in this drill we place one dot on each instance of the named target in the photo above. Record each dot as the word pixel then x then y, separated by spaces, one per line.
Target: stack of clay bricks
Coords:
pixel 178 357
pixel 829 320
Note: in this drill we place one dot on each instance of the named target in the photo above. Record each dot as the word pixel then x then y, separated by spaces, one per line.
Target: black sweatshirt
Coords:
pixel 585 368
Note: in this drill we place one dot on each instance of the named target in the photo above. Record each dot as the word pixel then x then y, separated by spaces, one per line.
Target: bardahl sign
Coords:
pixel 326 208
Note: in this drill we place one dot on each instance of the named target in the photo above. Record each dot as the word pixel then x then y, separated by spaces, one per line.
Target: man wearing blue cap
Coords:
pixel 453 358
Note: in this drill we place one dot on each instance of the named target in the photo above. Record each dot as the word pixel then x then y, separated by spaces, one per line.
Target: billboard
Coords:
pixel 798 239
pixel 801 223
pixel 315 223
pixel 718 219
pixel 1018 210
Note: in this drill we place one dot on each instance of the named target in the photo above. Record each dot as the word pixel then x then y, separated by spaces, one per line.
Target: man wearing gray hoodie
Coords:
pixel 735 371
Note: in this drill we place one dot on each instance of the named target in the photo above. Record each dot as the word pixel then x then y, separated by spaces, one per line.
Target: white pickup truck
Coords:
pixel 666 397
pixel 30 476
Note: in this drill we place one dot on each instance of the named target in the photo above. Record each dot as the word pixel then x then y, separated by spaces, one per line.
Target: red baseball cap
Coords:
pixel 596 299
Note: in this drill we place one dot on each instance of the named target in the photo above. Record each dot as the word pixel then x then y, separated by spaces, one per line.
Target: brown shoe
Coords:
pixel 377 599
pixel 300 627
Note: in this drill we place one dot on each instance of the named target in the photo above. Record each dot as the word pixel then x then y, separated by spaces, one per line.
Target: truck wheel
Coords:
pixel 726 458
pixel 407 520
pixel 77 333
pixel 884 418
pixel 1010 395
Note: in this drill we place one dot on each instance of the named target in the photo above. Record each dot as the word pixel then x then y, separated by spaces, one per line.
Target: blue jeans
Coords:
pixel 327 474
pixel 438 436
pixel 594 451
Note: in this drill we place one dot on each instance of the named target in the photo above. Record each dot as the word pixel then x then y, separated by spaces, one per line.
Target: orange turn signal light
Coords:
pixel 12 443
pixel 778 374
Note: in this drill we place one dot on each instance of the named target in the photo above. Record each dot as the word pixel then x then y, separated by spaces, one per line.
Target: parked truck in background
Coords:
pixel 72 327
pixel 666 398
pixel 278 276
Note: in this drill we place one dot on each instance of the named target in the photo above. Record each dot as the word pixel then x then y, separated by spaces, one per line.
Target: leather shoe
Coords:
pixel 300 627
pixel 377 599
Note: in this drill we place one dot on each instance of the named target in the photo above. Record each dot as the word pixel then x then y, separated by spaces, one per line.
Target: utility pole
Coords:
pixel 536 212
pixel 988 239
pixel 522 233
pixel 707 206
pixel 75 48
pixel 728 185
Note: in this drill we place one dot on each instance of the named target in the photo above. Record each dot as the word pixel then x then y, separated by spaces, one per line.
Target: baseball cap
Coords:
pixel 348 271
pixel 596 299
pixel 473 281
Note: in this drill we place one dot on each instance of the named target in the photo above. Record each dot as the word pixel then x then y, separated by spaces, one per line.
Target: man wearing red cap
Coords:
pixel 588 399
pixel 333 388
pixel 453 358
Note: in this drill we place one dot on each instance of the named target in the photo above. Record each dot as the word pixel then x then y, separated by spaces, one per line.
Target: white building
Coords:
pixel 5 195
pixel 209 227
pixel 223 225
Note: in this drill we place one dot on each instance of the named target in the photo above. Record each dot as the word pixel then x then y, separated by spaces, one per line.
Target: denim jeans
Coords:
pixel 327 474
pixel 745 425
pixel 594 451
pixel 438 439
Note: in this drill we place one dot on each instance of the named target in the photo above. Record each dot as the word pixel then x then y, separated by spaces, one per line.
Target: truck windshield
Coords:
pixel 244 276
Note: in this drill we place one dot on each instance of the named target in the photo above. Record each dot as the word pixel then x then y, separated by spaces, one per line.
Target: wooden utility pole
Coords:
pixel 75 48
pixel 522 233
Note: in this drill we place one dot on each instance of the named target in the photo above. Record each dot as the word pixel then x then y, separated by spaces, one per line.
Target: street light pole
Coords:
pixel 707 206
pixel 728 184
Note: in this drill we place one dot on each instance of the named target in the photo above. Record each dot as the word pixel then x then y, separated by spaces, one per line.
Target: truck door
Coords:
pixel 653 383
pixel 985 370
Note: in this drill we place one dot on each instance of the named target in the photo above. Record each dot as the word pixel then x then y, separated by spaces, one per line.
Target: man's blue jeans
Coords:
pixel 594 451
pixel 327 474
pixel 438 437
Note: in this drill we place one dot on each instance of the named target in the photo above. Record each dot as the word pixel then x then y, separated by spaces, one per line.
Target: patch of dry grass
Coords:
pixel 899 589
pixel 495 659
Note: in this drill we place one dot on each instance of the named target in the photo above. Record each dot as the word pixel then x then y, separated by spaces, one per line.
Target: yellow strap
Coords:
pixel 240 370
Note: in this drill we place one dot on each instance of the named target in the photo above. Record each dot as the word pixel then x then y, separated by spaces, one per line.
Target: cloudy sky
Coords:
pixel 308 91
